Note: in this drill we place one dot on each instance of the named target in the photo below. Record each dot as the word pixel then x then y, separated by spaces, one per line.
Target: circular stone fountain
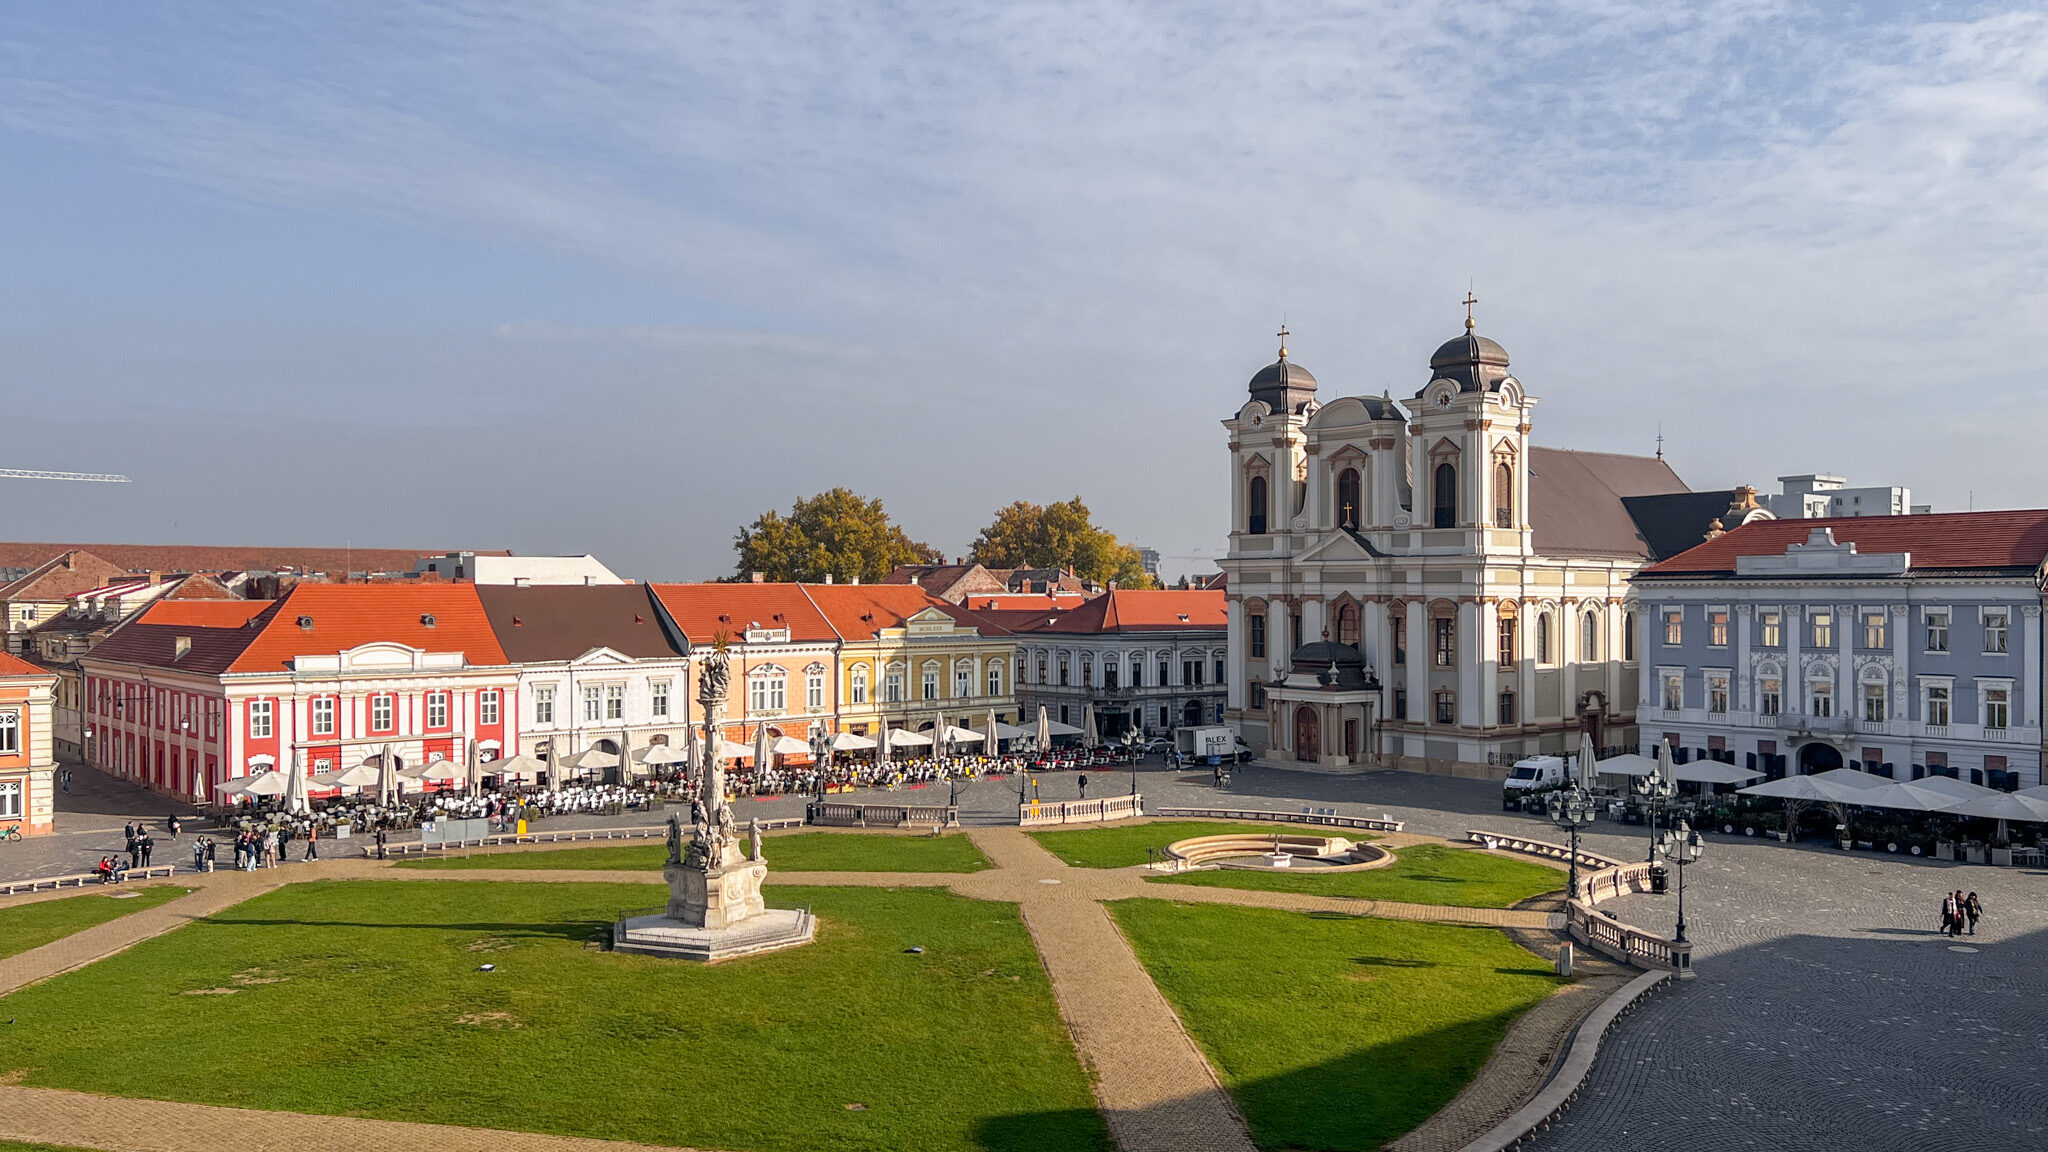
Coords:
pixel 1264 852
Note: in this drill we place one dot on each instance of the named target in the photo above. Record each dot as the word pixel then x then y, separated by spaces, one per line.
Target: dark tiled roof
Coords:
pixel 1673 522
pixel 1947 541
pixel 1575 501
pixel 561 623
pixel 216 639
pixel 62 575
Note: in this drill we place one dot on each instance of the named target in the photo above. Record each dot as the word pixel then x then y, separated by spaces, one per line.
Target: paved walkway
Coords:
pixel 1153 1084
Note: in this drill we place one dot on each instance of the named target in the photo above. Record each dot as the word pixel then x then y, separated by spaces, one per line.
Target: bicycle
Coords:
pixel 11 832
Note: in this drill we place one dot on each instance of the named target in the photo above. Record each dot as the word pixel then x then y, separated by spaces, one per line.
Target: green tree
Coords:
pixel 837 534
pixel 1026 535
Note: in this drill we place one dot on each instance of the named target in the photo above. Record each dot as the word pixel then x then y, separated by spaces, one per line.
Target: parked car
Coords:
pixel 1157 746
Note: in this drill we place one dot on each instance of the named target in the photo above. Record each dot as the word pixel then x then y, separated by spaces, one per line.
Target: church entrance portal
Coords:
pixel 1308 734
pixel 1819 757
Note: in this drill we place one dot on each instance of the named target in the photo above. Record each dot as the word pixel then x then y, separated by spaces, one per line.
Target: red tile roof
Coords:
pixel 217 636
pixel 857 611
pixel 2015 539
pixel 206 613
pixel 345 616
pixel 1025 601
pixel 1135 610
pixel 703 610
pixel 15 666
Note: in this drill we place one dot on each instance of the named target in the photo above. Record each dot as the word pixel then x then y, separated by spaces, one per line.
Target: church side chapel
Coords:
pixel 1414 583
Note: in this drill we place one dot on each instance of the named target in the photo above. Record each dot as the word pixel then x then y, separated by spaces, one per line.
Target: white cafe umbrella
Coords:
pixel 387 777
pixel 1042 740
pixel 1089 736
pixel 1058 729
pixel 729 751
pixel 789 746
pixel 1812 789
pixel 1851 779
pixel 328 780
pixel 963 736
pixel 1999 806
pixel 1905 796
pixel 443 771
pixel 265 783
pixel 1626 764
pixel 521 767
pixel 1960 789
pixel 1713 772
pixel 660 754
pixel 763 754
pixel 591 758
pixel 849 742
pixel 899 738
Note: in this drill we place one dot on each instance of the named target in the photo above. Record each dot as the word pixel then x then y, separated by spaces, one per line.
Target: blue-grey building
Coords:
pixel 1901 645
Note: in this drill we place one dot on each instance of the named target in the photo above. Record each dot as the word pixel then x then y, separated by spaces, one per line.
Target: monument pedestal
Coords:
pixel 715 915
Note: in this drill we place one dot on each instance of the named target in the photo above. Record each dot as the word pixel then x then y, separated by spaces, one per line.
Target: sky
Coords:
pixel 602 276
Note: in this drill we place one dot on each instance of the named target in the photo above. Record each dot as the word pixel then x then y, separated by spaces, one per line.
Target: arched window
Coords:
pixel 1504 496
pixel 1347 498
pixel 858 689
pixel 1347 624
pixel 1628 636
pixel 1543 637
pixel 1446 486
pixel 1255 503
pixel 1589 638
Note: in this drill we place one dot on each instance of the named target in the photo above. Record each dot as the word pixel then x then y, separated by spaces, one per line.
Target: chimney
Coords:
pixel 180 647
pixel 155 578
pixel 856 577
pixel 760 577
pixel 917 579
pixel 828 577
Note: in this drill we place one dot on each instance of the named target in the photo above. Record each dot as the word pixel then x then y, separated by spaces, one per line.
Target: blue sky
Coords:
pixel 616 277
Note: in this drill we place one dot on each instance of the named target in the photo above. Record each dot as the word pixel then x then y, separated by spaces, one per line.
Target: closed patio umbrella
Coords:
pixel 472 778
pixel 1089 735
pixel 939 735
pixel 387 777
pixel 994 744
pixel 763 754
pixel 1042 741
pixel 1586 758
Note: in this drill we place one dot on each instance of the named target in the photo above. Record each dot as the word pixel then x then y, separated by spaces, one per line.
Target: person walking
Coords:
pixel 210 846
pixel 65 780
pixel 1972 908
pixel 1955 925
pixel 1949 911
pixel 270 848
pixel 174 826
pixel 312 844
pixel 1084 785
pixel 382 838
pixel 146 844
pixel 199 854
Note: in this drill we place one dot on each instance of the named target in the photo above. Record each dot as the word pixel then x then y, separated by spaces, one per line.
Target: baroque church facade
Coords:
pixel 1414 583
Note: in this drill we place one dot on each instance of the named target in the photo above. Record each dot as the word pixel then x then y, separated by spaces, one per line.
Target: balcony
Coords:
pixel 1801 722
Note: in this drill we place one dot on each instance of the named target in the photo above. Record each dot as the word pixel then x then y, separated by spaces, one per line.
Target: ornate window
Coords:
pixel 1994 630
pixel 381 707
pixel 1873 629
pixel 1770 630
pixel 1717 627
pixel 1589 637
pixel 593 703
pixel 929 684
pixel 1543 638
pixel 658 698
pixel 995 678
pixel 1505 657
pixel 767 689
pixel 544 704
pixel 1347 623
pixel 814 686
pixel 1444 506
pixel 1255 632
pixel 259 720
pixel 892 684
pixel 1397 626
pixel 1255 506
pixel 858 687
pixel 1348 498
pixel 1717 692
pixel 1821 698
pixel 487 704
pixel 1937 710
pixel 437 709
pixel 1504 495
pixel 1446 707
pixel 963 679
pixel 1768 696
pixel 323 716
pixel 1873 702
pixel 10 733
pixel 1628 636
pixel 1997 707
pixel 615 701
pixel 1446 641
pixel 1937 629
pixel 1823 630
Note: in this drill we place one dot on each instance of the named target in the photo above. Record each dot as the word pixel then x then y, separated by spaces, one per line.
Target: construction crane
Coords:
pixel 37 474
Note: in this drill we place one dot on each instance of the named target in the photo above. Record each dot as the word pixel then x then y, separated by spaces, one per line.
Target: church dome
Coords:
pixel 1471 361
pixel 1325 654
pixel 1286 387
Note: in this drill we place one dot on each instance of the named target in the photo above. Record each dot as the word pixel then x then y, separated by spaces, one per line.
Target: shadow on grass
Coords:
pixel 1356 1102
pixel 578 930
pixel 1393 961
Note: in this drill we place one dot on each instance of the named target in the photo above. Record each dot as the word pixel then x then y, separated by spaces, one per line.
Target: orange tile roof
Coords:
pixel 703 610
pixel 15 666
pixel 2016 539
pixel 1025 601
pixel 857 611
pixel 347 616
pixel 1136 610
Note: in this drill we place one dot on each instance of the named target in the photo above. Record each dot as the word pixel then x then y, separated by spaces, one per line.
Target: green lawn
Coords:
pixel 1422 874
pixel 1334 1033
pixel 27 926
pixel 365 998
pixel 1125 845
pixel 801 852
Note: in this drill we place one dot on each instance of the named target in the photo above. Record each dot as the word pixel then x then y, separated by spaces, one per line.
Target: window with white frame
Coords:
pixel 544 704
pixel 381 708
pixel 1821 698
pixel 1770 629
pixel 995 678
pixel 10 800
pixel 1674 691
pixel 814 686
pixel 1717 691
pixel 1936 706
pixel 1994 630
pixel 10 733
pixel 767 690
pixel 1087 671
pixel 892 685
pixel 1874 703
pixel 1937 629
pixel 929 685
pixel 1823 624
pixel 1674 625
pixel 437 709
pixel 657 695
pixel 1717 627
pixel 593 703
pixel 1768 696
pixel 261 720
pixel 963 680
pixel 1589 637
pixel 487 706
pixel 857 686
pixel 1041 667
pixel 323 715
pixel 1997 706
pixel 1873 629
pixel 615 701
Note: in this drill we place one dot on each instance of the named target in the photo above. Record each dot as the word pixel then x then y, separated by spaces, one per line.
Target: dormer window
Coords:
pixel 305 623
pixel 427 620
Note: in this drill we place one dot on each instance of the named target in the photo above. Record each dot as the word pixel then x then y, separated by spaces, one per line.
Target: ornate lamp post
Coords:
pixel 1682 846
pixel 1130 741
pixel 1656 791
pixel 1571 810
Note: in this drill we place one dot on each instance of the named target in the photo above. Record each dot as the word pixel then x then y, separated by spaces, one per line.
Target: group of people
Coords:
pixel 1959 911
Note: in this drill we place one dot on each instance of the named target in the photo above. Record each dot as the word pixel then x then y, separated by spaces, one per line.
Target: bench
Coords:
pixel 81 879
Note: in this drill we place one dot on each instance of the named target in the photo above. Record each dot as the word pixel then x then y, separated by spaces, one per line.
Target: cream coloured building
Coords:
pixel 907 658
pixel 1480 581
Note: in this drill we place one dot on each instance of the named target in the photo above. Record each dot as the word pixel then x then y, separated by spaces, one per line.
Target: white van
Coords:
pixel 1537 772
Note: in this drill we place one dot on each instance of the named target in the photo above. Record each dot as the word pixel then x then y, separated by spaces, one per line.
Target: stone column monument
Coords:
pixel 715 911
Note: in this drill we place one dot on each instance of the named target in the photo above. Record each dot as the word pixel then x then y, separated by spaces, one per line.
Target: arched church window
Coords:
pixel 1255 502
pixel 1543 638
pixel 1589 638
pixel 1446 503
pixel 1348 499
pixel 1347 624
pixel 1628 636
pixel 1504 496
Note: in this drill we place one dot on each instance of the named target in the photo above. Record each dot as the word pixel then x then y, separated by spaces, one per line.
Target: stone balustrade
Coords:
pixel 1591 927
pixel 1326 819
pixel 832 814
pixel 1033 813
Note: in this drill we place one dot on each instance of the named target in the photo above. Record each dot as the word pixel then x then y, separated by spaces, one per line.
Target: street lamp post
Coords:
pixel 1657 791
pixel 1572 809
pixel 1131 746
pixel 1682 846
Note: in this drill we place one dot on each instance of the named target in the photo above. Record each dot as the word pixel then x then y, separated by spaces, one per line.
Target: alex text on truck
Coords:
pixel 1214 744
